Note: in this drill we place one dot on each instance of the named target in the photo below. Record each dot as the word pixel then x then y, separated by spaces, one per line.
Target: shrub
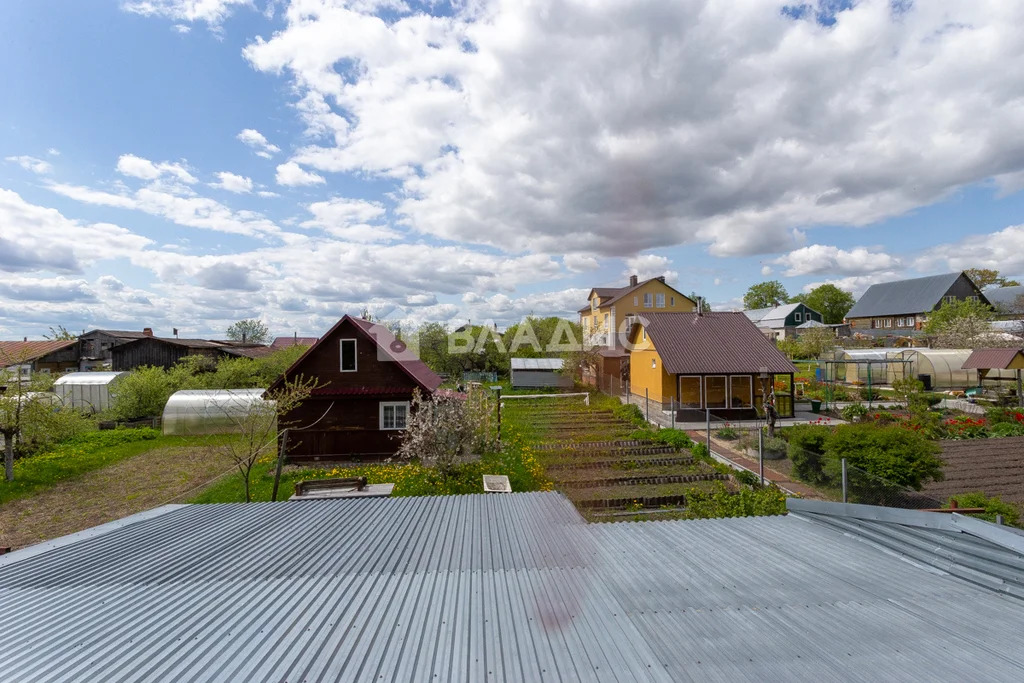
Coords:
pixel 720 502
pixel 853 412
pixel 775 444
pixel 728 433
pixel 748 478
pixel 903 457
pixel 806 450
pixel 1004 429
pixel 700 451
pixel 631 413
pixel 676 438
pixel 932 398
pixel 993 506
pixel 1004 416
pixel 965 427
pixel 869 394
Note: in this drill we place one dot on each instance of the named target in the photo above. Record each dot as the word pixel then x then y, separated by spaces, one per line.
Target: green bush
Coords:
pixel 631 413
pixel 993 506
pixel 806 451
pixel 901 456
pixel 720 502
pixel 700 451
pixel 1004 429
pixel 728 433
pixel 676 438
pixel 932 398
pixel 853 412
pixel 748 478
pixel 775 444
pixel 869 394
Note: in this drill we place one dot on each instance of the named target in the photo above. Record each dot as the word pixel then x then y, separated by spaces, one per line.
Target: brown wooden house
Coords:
pixel 359 412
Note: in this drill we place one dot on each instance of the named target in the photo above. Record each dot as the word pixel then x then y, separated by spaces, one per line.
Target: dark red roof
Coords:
pixel 990 359
pixel 360 391
pixel 712 343
pixel 395 349
pixel 16 352
pixel 249 351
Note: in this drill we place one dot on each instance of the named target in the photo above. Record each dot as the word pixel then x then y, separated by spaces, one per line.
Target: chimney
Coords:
pixel 700 306
pixel 147 331
pixel 661 278
pixel 25 339
pixel 632 280
pixel 296 336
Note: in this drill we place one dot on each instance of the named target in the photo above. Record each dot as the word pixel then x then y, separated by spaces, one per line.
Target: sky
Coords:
pixel 188 163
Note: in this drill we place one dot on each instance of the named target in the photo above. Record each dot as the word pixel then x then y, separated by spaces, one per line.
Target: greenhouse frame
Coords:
pixel 219 411
pixel 944 368
pixel 87 391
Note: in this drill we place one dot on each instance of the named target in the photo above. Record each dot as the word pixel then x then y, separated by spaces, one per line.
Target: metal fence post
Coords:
pixel 672 405
pixel 844 479
pixel 647 403
pixel 999 519
pixel 760 453
pixel 708 429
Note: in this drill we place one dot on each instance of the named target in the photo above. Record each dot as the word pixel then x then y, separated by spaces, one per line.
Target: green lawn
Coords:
pixel 88 452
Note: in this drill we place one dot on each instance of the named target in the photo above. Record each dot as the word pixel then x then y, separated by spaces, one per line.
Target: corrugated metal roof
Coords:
pixel 774 316
pixel 689 343
pixel 537 363
pixel 87 378
pixel 286 342
pixel 917 295
pixel 812 323
pixel 506 587
pixel 989 359
pixel 16 352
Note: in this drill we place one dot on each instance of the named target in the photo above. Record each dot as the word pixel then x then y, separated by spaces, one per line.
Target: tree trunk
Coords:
pixel 9 456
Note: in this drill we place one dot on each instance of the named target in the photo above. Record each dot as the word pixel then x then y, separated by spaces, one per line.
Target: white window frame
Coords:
pixel 798 316
pixel 393 404
pixel 750 385
pixel 606 320
pixel 672 301
pixel 648 300
pixel 636 301
pixel 704 396
pixel 341 354
pixel 888 323
pixel 593 303
pixel 659 300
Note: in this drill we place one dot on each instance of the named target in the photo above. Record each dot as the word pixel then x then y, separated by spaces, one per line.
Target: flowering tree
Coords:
pixel 443 429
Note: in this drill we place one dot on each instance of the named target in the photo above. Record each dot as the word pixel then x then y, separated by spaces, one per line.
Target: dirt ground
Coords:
pixel 134 485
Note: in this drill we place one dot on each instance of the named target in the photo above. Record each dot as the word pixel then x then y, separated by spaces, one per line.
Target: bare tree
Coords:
pixel 260 424
pixel 444 429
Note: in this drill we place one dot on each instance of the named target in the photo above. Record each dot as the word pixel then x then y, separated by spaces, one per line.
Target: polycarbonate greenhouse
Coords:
pixel 210 411
pixel 944 368
pixel 87 391
pixel 877 371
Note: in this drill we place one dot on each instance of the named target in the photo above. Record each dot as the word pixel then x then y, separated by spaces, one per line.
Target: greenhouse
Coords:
pixel 88 391
pixel 864 366
pixel 212 411
pixel 942 369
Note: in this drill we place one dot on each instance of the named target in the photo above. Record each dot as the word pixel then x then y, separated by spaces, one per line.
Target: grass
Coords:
pixel 86 453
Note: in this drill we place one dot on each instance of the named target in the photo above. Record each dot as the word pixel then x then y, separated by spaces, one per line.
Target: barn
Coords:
pixel 538 372
pixel 359 410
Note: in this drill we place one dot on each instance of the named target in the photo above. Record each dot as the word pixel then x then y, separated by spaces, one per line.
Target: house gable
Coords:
pixel 379 369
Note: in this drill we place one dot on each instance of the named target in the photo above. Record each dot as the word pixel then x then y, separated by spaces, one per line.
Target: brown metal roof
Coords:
pixel 711 343
pixel 15 352
pixel 993 466
pixel 249 351
pixel 990 359
pixel 286 342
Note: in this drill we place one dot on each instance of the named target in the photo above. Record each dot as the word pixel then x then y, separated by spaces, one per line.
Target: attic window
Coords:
pixel 797 316
pixel 671 301
pixel 648 300
pixel 659 301
pixel 636 301
pixel 348 355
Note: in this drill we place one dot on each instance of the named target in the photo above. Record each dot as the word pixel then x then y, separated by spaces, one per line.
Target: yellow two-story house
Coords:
pixel 611 312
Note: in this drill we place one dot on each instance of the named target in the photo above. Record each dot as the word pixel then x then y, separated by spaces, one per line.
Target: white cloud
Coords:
pixel 53 152
pixel 32 164
pixel 578 263
pixel 291 174
pixel 212 12
pixel 232 182
pixel 858 283
pixel 138 167
pixel 267 194
pixel 254 140
pixel 819 259
pixel 646 266
pixel 657 124
pixel 354 220
pixel 1002 250
pixel 47 241
pixel 766 270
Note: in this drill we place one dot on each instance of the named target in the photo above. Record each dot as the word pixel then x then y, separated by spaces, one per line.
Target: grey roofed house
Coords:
pixel 514 587
pixel 905 297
